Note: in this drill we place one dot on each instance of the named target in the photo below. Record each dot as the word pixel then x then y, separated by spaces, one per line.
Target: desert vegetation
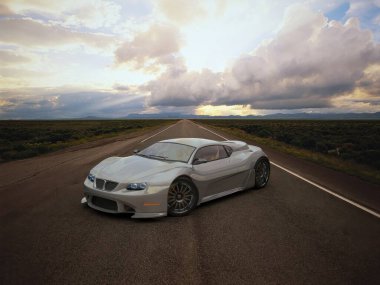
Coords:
pixel 22 139
pixel 351 145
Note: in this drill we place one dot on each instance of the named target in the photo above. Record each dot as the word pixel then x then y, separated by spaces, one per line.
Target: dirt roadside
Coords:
pixel 20 170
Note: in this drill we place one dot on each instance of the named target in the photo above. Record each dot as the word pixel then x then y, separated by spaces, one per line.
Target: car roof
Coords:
pixel 195 142
pixel 198 142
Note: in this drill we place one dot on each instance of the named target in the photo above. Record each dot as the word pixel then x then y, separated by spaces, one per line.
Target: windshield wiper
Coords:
pixel 140 154
pixel 157 156
pixel 152 156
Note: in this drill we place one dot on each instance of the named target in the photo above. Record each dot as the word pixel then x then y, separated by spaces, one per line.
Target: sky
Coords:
pixel 111 58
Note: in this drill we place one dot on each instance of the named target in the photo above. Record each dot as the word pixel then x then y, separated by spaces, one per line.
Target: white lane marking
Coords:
pixel 210 131
pixel 157 133
pixel 313 183
pixel 328 191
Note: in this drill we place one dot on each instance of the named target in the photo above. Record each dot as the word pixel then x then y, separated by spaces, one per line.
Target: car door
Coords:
pixel 214 174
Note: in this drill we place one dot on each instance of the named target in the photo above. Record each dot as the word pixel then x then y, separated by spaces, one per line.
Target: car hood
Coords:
pixel 131 168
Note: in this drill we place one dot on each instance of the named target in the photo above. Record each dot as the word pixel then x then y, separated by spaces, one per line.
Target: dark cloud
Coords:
pixel 370 83
pixel 179 88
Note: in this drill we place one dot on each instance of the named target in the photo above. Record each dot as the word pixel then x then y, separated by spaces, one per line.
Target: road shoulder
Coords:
pixel 348 186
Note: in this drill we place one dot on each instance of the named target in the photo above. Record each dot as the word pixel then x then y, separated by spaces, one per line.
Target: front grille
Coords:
pixel 99 183
pixel 105 184
pixel 110 185
pixel 104 203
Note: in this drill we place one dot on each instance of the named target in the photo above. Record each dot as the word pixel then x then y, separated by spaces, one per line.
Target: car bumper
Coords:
pixel 150 203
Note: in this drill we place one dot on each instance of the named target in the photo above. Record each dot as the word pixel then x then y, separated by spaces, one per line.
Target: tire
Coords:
pixel 262 172
pixel 182 197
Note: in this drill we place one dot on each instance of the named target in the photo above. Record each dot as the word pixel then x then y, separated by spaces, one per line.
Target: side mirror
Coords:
pixel 136 151
pixel 199 161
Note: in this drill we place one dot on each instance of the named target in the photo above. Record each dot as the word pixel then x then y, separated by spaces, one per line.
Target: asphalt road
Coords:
pixel 287 233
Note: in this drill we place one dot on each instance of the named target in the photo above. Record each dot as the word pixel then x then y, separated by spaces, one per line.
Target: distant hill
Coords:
pixel 279 116
pixel 331 116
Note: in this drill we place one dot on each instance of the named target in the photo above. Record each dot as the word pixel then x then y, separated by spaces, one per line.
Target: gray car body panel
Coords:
pixel 213 179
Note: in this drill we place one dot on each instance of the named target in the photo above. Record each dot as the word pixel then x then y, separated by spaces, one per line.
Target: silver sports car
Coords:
pixel 174 176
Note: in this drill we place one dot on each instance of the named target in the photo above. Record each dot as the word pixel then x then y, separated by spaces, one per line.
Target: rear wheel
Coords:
pixel 262 172
pixel 182 197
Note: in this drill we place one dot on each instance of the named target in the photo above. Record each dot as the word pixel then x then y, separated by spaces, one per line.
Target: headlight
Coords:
pixel 91 177
pixel 136 186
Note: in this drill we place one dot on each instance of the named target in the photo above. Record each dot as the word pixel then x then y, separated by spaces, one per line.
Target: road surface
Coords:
pixel 290 232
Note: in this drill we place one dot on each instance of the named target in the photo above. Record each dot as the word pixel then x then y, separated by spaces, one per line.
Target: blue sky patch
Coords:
pixel 339 13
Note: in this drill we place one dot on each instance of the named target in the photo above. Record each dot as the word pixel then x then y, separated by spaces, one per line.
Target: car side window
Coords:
pixel 211 153
pixel 228 149
pixel 222 152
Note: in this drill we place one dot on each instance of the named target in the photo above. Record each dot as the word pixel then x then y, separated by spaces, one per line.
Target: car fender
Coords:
pixel 167 177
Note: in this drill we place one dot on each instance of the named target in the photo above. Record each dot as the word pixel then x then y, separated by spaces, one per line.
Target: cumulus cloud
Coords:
pixel 369 84
pixel 152 47
pixel 182 11
pixel 309 62
pixel 30 32
pixel 184 88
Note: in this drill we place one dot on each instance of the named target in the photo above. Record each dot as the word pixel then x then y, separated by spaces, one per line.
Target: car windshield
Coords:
pixel 168 151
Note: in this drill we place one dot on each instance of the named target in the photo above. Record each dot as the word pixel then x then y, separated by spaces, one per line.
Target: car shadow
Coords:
pixel 120 216
pixel 206 205
pixel 230 197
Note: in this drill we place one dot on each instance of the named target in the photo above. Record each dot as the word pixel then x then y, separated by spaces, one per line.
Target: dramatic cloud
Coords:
pixel 30 32
pixel 184 88
pixel 365 97
pixel 210 57
pixel 309 62
pixel 49 104
pixel 152 47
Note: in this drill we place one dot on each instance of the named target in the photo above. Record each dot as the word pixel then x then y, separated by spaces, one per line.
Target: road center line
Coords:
pixel 213 132
pixel 158 133
pixel 377 215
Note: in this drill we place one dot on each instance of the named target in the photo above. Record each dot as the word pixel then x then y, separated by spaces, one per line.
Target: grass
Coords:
pixel 352 147
pixel 23 139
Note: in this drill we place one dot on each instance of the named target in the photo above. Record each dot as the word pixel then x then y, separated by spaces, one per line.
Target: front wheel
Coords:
pixel 262 172
pixel 182 197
